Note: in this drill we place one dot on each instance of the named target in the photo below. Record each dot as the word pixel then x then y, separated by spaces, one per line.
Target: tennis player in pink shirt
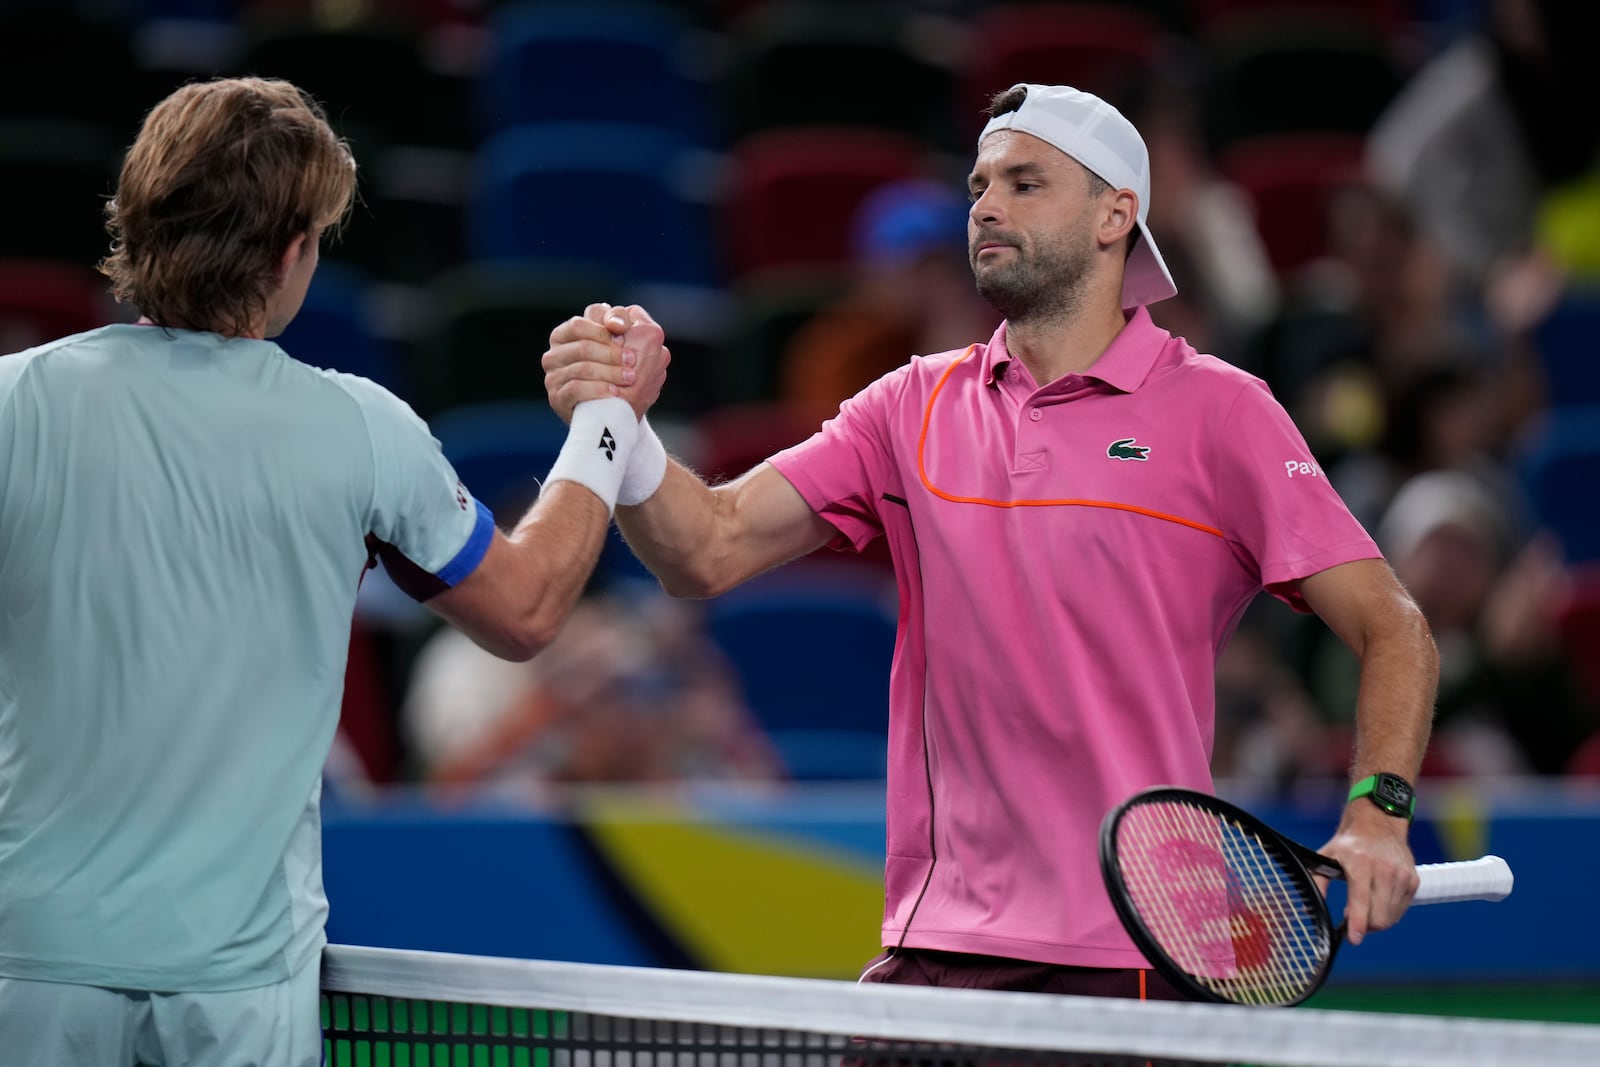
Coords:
pixel 1079 509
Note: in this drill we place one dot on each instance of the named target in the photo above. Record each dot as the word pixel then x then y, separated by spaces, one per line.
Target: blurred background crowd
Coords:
pixel 1387 209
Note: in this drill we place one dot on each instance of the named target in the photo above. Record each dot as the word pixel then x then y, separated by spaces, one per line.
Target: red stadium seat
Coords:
pixel 1288 179
pixel 794 192
pixel 1578 623
pixel 1096 47
pixel 41 300
pixel 1386 16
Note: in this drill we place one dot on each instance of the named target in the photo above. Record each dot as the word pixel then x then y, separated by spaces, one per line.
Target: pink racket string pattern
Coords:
pixel 1221 904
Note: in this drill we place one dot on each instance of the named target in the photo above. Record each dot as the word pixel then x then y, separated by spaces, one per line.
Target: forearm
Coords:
pixel 1394 705
pixel 701 541
pixel 557 543
pixel 676 534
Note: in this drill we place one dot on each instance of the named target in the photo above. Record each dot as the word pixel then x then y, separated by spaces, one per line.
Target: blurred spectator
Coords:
pixel 1228 290
pixel 1269 730
pixel 912 295
pixel 1508 702
pixel 1448 416
pixel 1493 124
pixel 632 690
pixel 1366 340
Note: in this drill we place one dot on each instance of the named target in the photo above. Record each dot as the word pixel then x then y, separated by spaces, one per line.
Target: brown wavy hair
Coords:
pixel 223 176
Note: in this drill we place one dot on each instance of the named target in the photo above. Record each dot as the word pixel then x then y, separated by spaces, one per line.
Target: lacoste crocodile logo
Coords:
pixel 1126 449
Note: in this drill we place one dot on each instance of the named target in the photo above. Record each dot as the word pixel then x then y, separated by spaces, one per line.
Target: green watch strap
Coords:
pixel 1388 791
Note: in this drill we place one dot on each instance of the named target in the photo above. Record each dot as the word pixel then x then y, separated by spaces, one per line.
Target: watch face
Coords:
pixel 1393 792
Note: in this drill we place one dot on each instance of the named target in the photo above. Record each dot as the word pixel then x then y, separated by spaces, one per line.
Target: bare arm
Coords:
pixel 702 541
pixel 521 593
pixel 1366 606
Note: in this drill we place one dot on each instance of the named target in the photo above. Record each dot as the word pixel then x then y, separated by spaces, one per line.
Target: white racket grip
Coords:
pixel 1486 878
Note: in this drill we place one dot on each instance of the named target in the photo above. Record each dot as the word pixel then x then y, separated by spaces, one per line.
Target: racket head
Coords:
pixel 1222 905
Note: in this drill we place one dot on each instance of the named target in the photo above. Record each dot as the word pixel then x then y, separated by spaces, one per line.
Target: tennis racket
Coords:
pixel 1227 909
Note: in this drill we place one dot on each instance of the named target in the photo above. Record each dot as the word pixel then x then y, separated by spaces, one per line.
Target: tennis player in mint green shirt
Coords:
pixel 185 515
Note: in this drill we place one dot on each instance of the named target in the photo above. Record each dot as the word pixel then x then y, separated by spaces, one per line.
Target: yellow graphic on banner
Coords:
pixel 742 900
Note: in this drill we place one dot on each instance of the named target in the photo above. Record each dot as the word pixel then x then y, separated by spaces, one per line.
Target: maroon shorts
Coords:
pixel 964 970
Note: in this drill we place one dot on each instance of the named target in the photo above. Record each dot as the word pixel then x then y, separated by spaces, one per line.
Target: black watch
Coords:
pixel 1390 792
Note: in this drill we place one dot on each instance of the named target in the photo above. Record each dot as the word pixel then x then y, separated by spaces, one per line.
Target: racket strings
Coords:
pixel 1296 945
pixel 1222 905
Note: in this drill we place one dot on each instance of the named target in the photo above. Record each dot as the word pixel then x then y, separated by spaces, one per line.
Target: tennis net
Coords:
pixel 389 1008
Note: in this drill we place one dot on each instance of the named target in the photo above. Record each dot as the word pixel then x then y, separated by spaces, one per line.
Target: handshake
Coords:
pixel 612 361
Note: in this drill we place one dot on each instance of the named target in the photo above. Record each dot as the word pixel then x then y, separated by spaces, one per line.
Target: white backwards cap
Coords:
pixel 1095 134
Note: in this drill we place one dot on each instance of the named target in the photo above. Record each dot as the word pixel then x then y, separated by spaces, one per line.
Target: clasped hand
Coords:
pixel 606 351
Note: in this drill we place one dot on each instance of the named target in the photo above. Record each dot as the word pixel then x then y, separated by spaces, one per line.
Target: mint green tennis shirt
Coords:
pixel 184 522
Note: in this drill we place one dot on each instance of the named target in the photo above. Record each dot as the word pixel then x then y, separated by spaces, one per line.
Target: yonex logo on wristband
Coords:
pixel 608 444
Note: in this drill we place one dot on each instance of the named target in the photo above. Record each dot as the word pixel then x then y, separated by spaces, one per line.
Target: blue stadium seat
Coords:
pixel 592 60
pixel 500 451
pixel 1560 466
pixel 335 329
pixel 812 645
pixel 609 194
pixel 1568 343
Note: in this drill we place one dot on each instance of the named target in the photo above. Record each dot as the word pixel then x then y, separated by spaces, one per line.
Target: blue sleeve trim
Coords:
pixel 466 561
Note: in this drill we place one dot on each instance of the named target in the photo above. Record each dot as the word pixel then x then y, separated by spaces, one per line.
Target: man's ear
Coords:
pixel 1118 221
pixel 291 255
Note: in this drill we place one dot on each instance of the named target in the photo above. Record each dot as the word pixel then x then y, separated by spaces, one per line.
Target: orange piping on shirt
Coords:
pixel 927 483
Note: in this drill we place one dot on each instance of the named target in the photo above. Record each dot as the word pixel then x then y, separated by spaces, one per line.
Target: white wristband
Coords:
pixel 646 467
pixel 598 446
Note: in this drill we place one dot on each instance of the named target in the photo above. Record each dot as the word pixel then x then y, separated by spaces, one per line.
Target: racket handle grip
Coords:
pixel 1486 878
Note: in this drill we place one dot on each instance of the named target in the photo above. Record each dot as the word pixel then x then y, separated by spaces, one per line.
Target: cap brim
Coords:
pixel 1145 278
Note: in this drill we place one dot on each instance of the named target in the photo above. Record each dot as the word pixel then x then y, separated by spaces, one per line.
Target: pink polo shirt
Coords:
pixel 1070 559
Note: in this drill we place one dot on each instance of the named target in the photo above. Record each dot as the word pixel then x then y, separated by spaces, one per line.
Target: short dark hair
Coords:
pixel 1007 100
pixel 223 176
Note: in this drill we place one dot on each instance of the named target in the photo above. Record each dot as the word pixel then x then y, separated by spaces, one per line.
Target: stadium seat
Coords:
pixel 369 76
pixel 1578 623
pixel 538 52
pixel 812 646
pixel 1384 16
pixel 335 329
pixel 1311 72
pixel 1559 463
pixel 623 197
pixel 58 176
pixel 409 222
pixel 58 63
pixel 1093 46
pixel 41 300
pixel 491 323
pixel 1288 180
pixel 1568 343
pixel 771 307
pixel 793 193
pixel 834 64
pixel 500 451
pixel 735 438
